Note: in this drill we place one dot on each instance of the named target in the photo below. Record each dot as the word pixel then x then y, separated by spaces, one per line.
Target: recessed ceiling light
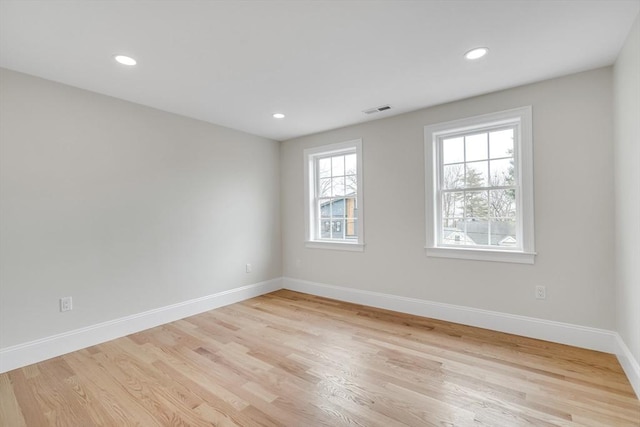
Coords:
pixel 278 116
pixel 125 60
pixel 476 53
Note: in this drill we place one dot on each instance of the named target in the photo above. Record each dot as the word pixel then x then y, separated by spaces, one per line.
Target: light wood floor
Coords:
pixel 290 359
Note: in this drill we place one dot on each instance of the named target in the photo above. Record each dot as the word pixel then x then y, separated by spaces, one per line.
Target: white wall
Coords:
pixel 627 190
pixel 124 208
pixel 128 208
pixel 573 161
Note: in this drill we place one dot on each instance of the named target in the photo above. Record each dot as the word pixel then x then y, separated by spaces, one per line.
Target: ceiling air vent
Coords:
pixel 377 109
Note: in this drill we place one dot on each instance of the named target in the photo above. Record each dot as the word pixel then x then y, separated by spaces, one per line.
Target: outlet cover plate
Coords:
pixel 66 304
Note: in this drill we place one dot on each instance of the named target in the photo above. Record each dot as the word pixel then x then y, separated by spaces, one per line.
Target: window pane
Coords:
pixel 452 204
pixel 452 224
pixel 325 187
pixel 453 150
pixel 324 166
pixel 351 181
pixel 476 204
pixel 501 143
pixel 351 227
pixel 503 233
pixel 476 147
pixel 477 174
pixel 350 208
pixel 325 209
pixel 502 172
pixel 337 229
pixel 325 228
pixel 337 165
pixel 456 237
pixel 453 176
pixel 337 207
pixel 477 231
pixel 502 203
pixel 350 164
pixel 338 186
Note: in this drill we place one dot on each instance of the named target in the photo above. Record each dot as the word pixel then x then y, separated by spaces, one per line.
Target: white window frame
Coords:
pixel 521 119
pixel 310 193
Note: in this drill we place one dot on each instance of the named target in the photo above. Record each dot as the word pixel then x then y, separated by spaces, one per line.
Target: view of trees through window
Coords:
pixel 337 196
pixel 479 189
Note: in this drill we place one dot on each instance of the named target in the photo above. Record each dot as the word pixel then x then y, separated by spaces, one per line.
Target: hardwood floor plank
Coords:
pixel 55 394
pixel 9 407
pixel 291 359
pixel 122 409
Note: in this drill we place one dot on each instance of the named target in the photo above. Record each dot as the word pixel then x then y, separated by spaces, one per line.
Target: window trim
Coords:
pixel 310 182
pixel 523 152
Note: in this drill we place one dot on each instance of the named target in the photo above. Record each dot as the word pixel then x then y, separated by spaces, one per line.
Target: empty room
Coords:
pixel 319 213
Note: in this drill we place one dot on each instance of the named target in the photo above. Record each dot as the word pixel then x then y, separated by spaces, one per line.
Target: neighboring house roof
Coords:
pixel 508 241
pixel 456 237
pixel 477 234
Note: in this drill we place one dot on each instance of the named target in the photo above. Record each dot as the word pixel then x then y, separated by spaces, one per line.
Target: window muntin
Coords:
pixel 479 185
pixel 333 190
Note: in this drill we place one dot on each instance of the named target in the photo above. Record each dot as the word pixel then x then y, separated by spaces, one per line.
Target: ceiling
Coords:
pixel 235 63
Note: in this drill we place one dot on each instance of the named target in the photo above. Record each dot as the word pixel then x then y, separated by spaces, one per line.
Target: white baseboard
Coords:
pixel 558 332
pixel 564 333
pixel 580 336
pixel 36 351
pixel 628 363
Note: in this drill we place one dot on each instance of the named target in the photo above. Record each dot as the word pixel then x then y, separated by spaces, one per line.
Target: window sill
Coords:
pixel 337 246
pixel 482 255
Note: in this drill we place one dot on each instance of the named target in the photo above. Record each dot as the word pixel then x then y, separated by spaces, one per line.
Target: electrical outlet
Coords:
pixel 66 304
pixel 541 292
pixel 248 268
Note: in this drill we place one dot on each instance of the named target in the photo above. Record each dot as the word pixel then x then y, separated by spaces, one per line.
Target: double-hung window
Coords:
pixel 333 194
pixel 479 185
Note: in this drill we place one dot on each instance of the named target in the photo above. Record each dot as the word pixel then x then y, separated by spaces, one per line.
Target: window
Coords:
pixel 333 193
pixel 479 184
